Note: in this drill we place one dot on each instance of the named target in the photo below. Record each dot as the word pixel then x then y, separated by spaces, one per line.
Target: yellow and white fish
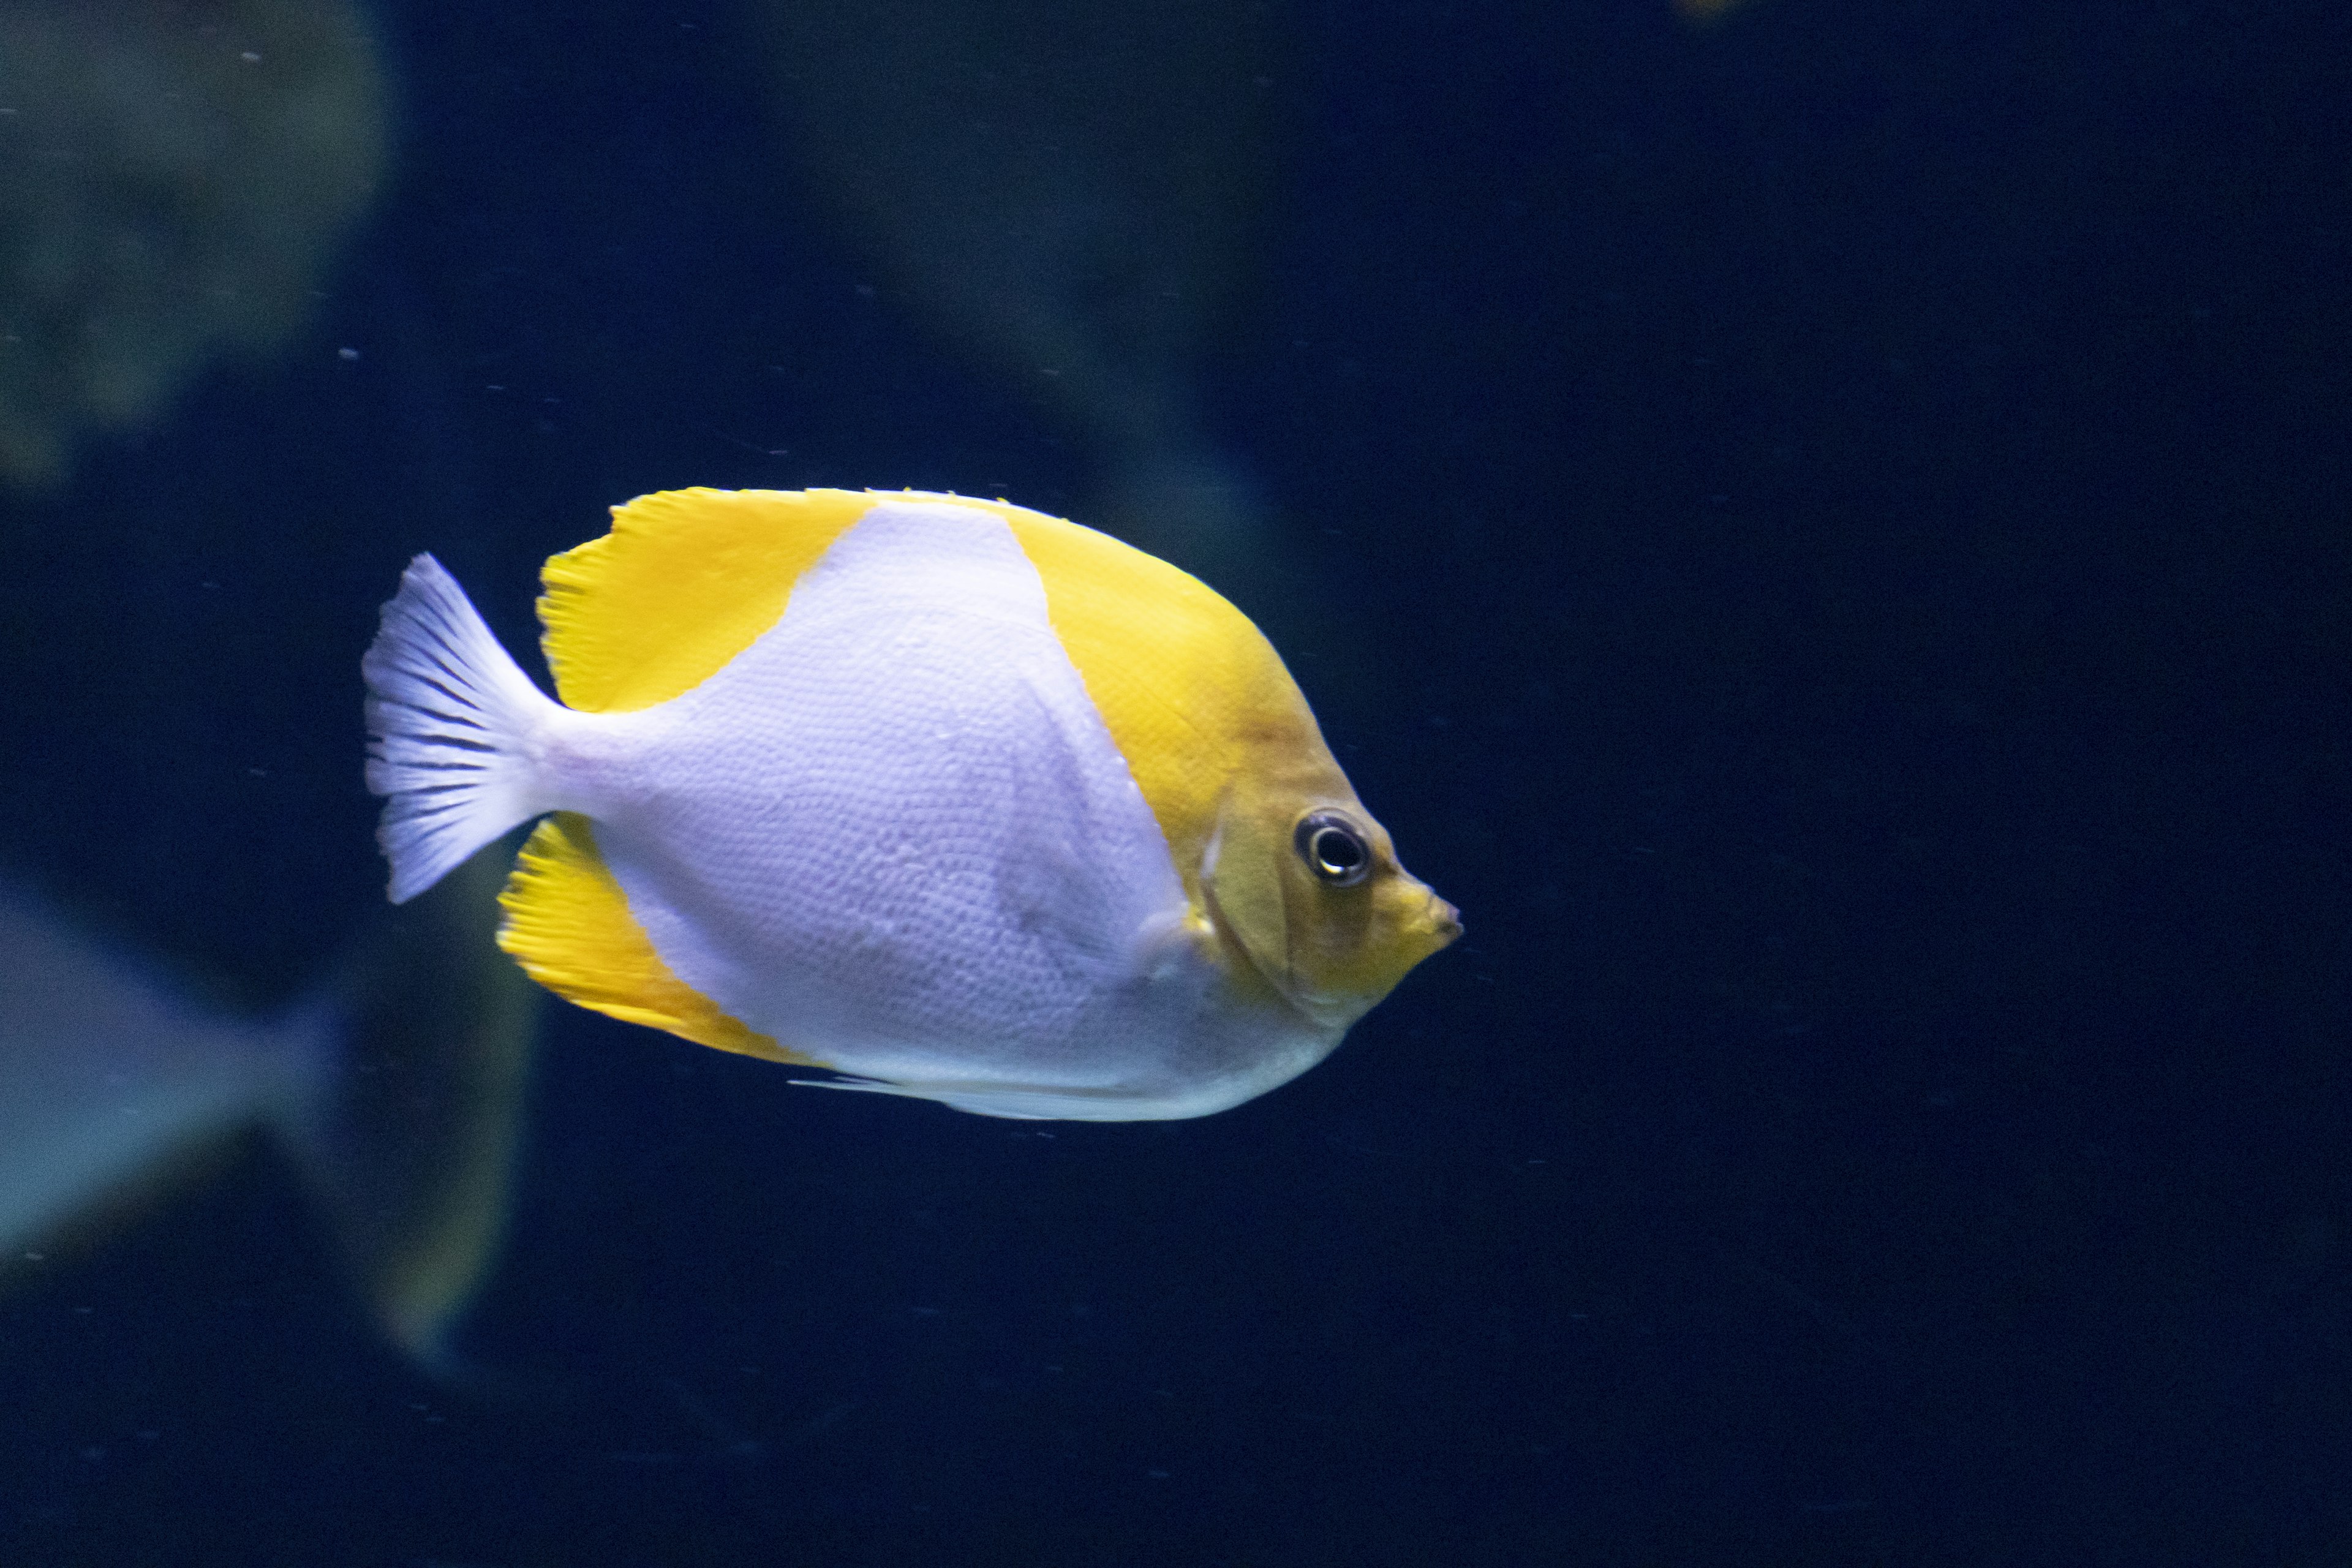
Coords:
pixel 958 800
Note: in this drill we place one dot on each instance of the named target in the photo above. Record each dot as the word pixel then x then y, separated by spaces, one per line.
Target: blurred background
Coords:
pixel 1820 526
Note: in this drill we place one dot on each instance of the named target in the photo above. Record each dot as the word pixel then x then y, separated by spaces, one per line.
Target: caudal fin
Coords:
pixel 449 719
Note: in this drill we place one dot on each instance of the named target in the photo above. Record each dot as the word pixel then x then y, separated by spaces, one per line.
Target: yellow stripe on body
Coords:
pixel 1221 742
pixel 1193 695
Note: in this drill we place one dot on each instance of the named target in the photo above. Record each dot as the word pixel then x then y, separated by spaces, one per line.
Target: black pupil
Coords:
pixel 1337 851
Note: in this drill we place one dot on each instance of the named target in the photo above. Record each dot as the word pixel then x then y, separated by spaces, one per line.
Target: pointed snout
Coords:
pixel 1431 927
pixel 1444 920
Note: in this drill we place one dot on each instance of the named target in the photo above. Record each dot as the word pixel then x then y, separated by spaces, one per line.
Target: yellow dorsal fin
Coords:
pixel 568 924
pixel 685 581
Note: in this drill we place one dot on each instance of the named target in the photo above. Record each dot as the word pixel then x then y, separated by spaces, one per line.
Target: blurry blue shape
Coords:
pixel 1070 191
pixel 398 1092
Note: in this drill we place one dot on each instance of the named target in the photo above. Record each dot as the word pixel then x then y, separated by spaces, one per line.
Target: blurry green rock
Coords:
pixel 174 179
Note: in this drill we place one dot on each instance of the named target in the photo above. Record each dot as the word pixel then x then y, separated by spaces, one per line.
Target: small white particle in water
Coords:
pixel 249 57
pixel 347 354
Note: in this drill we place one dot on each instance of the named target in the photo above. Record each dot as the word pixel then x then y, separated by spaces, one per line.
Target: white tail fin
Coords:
pixel 450 717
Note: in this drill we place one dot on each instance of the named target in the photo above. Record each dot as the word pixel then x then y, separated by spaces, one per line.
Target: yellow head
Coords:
pixel 1306 885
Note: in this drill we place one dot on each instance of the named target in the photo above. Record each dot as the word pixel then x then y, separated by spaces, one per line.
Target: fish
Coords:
pixel 950 798
pixel 397 1088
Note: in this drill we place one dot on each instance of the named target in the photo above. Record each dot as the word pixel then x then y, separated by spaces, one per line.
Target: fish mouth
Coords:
pixel 1433 927
pixel 1442 922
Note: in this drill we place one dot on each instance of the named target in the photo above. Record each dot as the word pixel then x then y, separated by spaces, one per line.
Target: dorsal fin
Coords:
pixel 685 581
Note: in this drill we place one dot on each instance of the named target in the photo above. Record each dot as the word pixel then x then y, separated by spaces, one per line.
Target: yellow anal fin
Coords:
pixel 568 924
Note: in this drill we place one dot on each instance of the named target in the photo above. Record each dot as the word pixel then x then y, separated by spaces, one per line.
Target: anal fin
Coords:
pixel 568 924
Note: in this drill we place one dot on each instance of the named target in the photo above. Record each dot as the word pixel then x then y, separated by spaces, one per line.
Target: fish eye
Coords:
pixel 1333 848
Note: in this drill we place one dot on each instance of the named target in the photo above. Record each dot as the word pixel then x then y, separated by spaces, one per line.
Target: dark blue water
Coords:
pixel 1825 536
